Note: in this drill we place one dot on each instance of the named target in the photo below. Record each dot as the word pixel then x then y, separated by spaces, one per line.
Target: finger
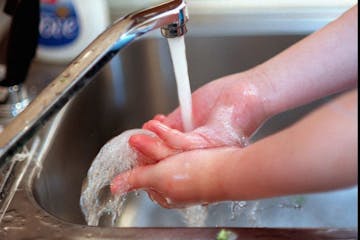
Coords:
pixel 178 177
pixel 137 178
pixel 120 184
pixel 160 117
pixel 153 148
pixel 175 138
pixel 131 180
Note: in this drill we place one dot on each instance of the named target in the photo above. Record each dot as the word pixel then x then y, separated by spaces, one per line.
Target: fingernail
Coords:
pixel 120 185
pixel 134 141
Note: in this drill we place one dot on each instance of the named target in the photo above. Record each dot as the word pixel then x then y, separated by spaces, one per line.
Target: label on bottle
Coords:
pixel 59 23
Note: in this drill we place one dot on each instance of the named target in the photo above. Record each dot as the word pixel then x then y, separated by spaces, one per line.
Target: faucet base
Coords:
pixel 13 100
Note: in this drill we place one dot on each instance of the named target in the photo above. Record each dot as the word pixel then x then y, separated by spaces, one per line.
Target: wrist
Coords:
pixel 251 108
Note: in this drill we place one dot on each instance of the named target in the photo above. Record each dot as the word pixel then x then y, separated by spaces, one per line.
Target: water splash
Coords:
pixel 195 216
pixel 114 158
pixel 236 208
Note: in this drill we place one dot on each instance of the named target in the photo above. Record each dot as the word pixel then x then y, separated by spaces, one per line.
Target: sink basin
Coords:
pixel 140 83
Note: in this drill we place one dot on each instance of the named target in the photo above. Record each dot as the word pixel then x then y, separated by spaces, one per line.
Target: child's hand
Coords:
pixel 226 113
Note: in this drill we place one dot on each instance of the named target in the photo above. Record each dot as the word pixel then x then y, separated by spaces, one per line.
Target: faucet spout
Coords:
pixel 174 30
pixel 177 28
pixel 170 16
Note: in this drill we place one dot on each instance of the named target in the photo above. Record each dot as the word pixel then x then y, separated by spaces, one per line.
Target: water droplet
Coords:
pixel 75 64
pixel 236 209
pixel 195 216
pixel 168 201
pixel 294 203
pixel 66 75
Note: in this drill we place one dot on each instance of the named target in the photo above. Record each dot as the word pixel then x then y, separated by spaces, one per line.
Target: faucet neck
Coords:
pixel 83 68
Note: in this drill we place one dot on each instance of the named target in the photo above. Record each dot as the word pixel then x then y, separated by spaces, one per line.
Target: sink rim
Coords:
pixel 44 224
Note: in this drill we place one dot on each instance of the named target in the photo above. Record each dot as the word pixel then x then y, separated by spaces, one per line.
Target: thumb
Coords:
pixel 185 178
pixel 137 178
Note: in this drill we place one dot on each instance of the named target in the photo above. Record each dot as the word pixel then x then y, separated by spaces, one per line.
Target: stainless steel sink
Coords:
pixel 146 86
pixel 137 84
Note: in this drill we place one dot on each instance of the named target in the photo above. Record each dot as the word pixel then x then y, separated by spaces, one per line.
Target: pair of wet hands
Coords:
pixel 225 112
pixel 167 141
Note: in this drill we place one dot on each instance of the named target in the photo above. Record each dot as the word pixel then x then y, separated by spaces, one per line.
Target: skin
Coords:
pixel 211 163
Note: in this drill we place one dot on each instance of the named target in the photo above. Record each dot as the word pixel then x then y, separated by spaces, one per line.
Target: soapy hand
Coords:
pixel 299 159
pixel 218 123
pixel 225 113
pixel 182 179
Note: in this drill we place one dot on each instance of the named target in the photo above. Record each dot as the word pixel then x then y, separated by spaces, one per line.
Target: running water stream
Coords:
pixel 178 56
pixel 194 216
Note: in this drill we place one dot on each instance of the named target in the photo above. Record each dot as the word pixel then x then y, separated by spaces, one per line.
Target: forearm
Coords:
pixel 318 153
pixel 321 64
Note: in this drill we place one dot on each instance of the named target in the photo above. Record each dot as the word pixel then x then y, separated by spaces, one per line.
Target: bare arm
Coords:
pixel 321 64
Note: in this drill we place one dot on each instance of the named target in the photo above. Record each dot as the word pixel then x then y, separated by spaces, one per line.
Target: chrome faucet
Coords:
pixel 170 17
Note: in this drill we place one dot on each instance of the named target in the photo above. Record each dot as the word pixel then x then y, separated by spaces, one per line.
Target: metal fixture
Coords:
pixel 86 65
pixel 13 100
